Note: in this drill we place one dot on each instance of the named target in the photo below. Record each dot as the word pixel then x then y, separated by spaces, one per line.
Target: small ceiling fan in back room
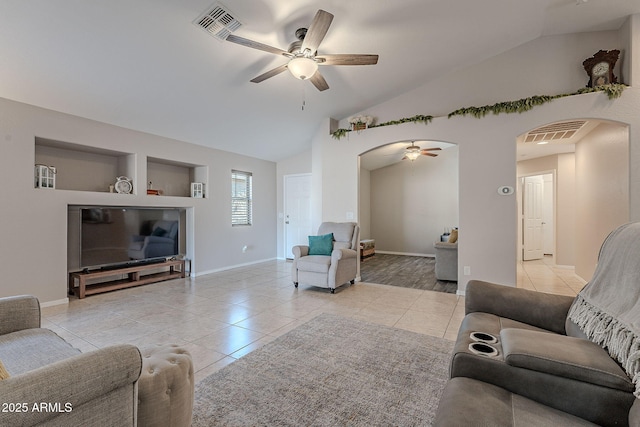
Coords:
pixel 412 152
pixel 302 54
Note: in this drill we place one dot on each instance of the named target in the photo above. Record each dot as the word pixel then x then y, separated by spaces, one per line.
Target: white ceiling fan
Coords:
pixel 302 54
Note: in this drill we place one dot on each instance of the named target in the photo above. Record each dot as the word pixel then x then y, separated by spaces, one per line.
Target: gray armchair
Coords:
pixel 163 241
pixel 324 270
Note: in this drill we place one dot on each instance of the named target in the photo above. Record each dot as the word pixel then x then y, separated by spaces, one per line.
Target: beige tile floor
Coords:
pixel 223 316
pixel 543 276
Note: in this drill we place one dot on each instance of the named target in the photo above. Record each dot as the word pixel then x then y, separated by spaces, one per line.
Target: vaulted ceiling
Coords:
pixel 144 65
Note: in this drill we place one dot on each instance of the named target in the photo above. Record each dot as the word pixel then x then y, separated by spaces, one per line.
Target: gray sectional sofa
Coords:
pixel 50 383
pixel 529 358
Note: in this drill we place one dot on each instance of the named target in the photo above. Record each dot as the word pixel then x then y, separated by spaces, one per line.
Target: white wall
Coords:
pixel 365 204
pixel 487 146
pixel 412 203
pixel 487 152
pixel 544 66
pixel 602 191
pixel 630 69
pixel 35 220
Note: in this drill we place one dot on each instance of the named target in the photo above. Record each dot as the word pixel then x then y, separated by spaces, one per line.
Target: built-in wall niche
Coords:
pixel 173 178
pixel 83 168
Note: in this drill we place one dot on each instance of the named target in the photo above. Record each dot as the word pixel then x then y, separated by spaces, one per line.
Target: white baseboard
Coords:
pixel 231 267
pixel 55 302
pixel 460 293
pixel 406 254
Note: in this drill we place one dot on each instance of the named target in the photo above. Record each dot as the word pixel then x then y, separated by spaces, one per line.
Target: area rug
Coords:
pixel 330 371
pixel 406 271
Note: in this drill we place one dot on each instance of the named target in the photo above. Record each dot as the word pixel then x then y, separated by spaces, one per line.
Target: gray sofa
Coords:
pixel 51 383
pixel 469 402
pixel 446 261
pixel 163 241
pixel 573 359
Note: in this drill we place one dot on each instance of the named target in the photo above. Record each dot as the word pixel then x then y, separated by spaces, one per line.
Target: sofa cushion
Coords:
pixel 314 263
pixel 563 356
pixel 468 402
pixel 321 245
pixel 25 350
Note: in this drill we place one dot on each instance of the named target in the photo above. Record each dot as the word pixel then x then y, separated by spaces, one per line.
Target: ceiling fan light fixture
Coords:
pixel 413 152
pixel 302 67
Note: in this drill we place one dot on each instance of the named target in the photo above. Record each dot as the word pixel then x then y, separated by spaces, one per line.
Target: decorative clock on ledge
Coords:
pixel 600 67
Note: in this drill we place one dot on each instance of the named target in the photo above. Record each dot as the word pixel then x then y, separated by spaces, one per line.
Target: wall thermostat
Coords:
pixel 505 190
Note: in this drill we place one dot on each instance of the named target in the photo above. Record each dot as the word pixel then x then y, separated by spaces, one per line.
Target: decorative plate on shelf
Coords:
pixel 123 185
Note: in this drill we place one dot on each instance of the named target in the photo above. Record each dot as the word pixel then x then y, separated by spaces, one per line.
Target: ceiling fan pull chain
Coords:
pixel 303 94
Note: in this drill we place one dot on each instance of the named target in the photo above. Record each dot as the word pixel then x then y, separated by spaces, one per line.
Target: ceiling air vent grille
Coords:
pixel 554 132
pixel 218 21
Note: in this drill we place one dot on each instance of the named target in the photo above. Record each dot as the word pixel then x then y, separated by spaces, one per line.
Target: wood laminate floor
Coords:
pixel 406 271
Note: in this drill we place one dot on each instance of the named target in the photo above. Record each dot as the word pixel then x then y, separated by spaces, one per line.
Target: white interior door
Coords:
pixel 547 215
pixel 532 207
pixel 297 212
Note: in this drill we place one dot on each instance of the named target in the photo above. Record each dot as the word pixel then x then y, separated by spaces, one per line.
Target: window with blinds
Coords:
pixel 241 195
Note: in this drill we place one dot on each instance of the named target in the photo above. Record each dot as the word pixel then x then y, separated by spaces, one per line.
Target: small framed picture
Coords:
pixel 45 176
pixel 197 190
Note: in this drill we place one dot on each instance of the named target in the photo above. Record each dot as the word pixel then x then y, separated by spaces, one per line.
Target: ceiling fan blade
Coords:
pixel 319 82
pixel 269 74
pixel 404 158
pixel 347 59
pixel 431 149
pixel 429 154
pixel 255 45
pixel 317 30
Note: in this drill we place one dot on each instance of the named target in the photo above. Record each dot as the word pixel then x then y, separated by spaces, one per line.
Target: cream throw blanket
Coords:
pixel 608 308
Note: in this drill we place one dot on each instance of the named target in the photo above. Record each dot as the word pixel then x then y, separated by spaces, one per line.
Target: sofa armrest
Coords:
pixel 546 311
pixel 300 251
pixel 74 382
pixel 338 254
pixel 563 356
pixel 18 313
pixel 446 245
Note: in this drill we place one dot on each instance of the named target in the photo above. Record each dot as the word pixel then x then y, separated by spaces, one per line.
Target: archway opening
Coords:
pixel 585 164
pixel 405 206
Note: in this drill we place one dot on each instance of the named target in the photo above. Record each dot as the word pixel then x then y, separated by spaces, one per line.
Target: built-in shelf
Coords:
pixel 172 178
pixel 83 168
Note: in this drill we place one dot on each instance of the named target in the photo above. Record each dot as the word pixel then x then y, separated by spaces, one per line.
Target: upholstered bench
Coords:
pixel 165 387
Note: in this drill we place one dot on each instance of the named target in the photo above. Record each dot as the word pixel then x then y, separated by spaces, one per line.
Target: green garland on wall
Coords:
pixel 613 91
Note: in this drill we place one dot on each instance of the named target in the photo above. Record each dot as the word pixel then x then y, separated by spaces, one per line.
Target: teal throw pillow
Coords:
pixel 321 245
pixel 159 232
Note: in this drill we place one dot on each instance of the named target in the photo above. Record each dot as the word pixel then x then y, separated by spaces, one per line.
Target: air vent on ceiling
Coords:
pixel 554 132
pixel 218 21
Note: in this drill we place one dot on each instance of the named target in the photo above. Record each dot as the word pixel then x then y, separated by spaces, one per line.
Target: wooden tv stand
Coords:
pixel 133 277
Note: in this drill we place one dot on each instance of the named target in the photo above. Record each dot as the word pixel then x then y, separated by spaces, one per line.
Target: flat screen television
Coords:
pixel 111 237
